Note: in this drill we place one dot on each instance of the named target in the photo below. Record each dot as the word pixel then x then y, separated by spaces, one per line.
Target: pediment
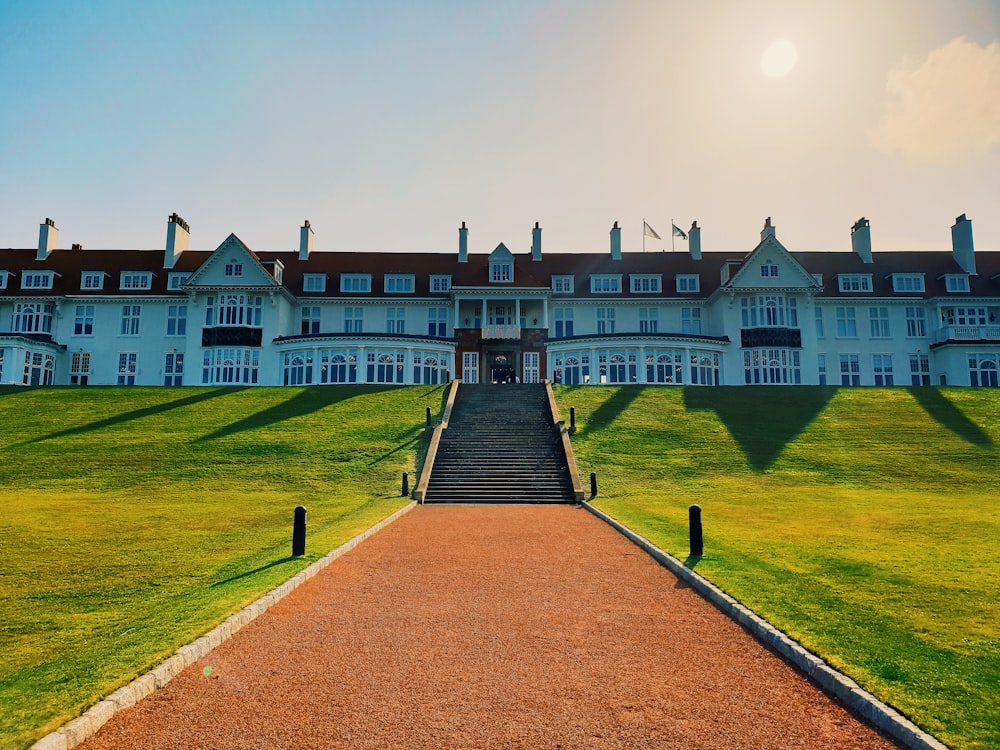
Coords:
pixel 500 252
pixel 771 253
pixel 232 252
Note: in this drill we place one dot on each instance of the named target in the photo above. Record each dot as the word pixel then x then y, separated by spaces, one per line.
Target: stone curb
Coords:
pixel 72 733
pixel 846 690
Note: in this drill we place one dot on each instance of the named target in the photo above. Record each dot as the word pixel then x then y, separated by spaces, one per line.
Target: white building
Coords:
pixel 235 316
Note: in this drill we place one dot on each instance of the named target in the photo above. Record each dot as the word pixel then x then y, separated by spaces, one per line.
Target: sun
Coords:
pixel 779 59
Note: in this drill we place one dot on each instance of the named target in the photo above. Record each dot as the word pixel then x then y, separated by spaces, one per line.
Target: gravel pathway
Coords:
pixel 490 627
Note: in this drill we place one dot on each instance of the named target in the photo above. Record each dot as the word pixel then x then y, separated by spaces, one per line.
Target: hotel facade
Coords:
pixel 241 316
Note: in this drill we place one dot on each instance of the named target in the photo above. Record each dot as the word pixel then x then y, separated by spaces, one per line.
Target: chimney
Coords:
pixel 305 240
pixel 463 244
pixel 536 242
pixel 178 239
pixel 616 242
pixel 48 237
pixel 77 246
pixel 861 239
pixel 767 231
pixel 961 244
pixel 694 241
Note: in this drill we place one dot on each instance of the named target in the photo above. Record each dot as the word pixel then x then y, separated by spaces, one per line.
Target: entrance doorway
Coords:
pixel 502 367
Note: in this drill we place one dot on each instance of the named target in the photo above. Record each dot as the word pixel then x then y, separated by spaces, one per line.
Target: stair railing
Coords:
pixel 574 472
pixel 425 472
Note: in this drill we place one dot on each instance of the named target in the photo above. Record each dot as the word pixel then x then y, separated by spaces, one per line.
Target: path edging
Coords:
pixel 74 732
pixel 842 687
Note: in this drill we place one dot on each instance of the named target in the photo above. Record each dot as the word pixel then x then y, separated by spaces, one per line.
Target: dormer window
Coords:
pixel 769 270
pixel 688 283
pixel 501 271
pixel 562 284
pixel 4 275
pixel 956 282
pixel 234 269
pixel 136 280
pixel 314 282
pixel 440 282
pixel 36 280
pixel 356 283
pixel 399 283
pixel 177 280
pixel 645 283
pixel 907 282
pixel 855 282
pixel 92 280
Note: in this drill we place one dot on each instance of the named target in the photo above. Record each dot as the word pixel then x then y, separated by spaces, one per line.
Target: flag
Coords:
pixel 648 231
pixel 678 232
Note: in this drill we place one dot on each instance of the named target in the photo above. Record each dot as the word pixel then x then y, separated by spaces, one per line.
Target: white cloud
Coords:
pixel 947 108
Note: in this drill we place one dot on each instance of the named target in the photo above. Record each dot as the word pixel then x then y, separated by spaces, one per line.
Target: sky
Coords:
pixel 386 124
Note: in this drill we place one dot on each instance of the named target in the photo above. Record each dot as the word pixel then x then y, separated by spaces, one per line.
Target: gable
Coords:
pixel 501 253
pixel 771 266
pixel 231 264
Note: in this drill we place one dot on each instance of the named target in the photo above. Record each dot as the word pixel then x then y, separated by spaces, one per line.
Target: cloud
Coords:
pixel 947 108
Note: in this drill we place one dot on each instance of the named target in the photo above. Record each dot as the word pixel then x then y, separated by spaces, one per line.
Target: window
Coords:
pixel 314 282
pixel 79 368
pixel 33 317
pixel 354 319
pixel 916 323
pixel 850 369
pixel 769 311
pixel 399 283
pixel 920 369
pixel 956 283
pixel 878 320
pixel 821 368
pixel 359 283
pixel 691 320
pixel 4 275
pixel 173 368
pixel 437 321
pixel 605 320
pixel 395 320
pixel 564 321
pixel 230 366
pixel 338 366
pixel 562 284
pixel 649 319
pixel 704 368
pixel 665 366
pixel 127 367
pixel 36 280
pixel 847 326
pixel 136 280
pixel 907 282
pixel 92 280
pixel 385 367
pixel 234 269
pixel 882 367
pixel 440 282
pixel 501 271
pixel 38 368
pixel 772 367
pixel 645 283
pixel 855 282
pixel 83 322
pixel 819 322
pixel 177 280
pixel 298 368
pixel 688 283
pixel 964 316
pixel 605 284
pixel 310 320
pixel 1 365
pixel 130 320
pixel 177 320
pixel 234 310
pixel 769 270
pixel 984 370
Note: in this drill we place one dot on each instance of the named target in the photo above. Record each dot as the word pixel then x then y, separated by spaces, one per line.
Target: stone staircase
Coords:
pixel 500 447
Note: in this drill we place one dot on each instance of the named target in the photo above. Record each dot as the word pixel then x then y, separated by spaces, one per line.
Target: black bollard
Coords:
pixel 694 523
pixel 572 419
pixel 406 484
pixel 428 421
pixel 593 484
pixel 299 532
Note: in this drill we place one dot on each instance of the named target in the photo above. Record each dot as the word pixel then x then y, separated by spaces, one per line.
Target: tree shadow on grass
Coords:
pixel 130 416
pixel 761 419
pixel 611 409
pixel 946 414
pixel 305 402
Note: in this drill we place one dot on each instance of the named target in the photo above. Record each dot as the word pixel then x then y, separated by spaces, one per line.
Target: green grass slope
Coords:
pixel 134 520
pixel 863 522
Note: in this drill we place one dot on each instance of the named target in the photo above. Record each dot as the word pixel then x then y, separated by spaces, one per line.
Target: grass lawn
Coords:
pixel 863 522
pixel 136 519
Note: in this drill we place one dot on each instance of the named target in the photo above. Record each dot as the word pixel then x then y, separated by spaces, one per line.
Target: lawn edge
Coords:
pixel 833 682
pixel 76 731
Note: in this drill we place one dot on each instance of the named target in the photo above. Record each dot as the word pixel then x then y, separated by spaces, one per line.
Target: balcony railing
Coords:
pixel 990 332
pixel 502 332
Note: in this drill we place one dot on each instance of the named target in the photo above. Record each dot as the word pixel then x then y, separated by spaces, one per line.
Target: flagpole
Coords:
pixel 644 234
pixel 671 234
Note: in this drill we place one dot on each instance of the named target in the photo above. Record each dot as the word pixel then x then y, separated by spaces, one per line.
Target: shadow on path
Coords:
pixel 946 414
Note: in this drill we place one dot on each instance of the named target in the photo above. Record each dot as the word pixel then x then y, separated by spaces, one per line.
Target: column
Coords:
pixel 642 365
pixel 362 365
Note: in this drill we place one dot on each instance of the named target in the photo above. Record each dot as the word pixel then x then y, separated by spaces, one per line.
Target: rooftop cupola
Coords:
pixel 961 244
pixel 463 244
pixel 861 239
pixel 616 242
pixel 536 242
pixel 305 240
pixel 178 239
pixel 48 238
